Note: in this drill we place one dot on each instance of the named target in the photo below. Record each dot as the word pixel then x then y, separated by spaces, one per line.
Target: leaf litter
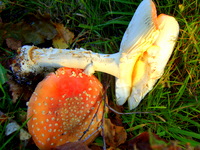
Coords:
pixel 64 37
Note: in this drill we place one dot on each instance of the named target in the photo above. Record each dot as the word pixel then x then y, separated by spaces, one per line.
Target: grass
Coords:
pixel 174 99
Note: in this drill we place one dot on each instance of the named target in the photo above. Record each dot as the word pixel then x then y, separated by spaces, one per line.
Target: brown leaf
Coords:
pixel 18 90
pixel 140 142
pixel 13 43
pixel 64 37
pixel 3 117
pixel 146 141
pixel 95 147
pixel 114 135
pixel 33 29
pixel 15 89
pixel 73 146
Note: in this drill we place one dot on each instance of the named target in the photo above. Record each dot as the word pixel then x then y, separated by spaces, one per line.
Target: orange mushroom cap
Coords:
pixel 63 108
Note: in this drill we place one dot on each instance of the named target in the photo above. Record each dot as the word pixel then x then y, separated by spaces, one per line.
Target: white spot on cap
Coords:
pixel 73 74
pixel 50 112
pixel 35 93
pixel 50 130
pixel 43 112
pixel 91 81
pixel 63 96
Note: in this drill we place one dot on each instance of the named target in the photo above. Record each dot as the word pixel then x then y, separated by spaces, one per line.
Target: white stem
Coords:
pixel 34 59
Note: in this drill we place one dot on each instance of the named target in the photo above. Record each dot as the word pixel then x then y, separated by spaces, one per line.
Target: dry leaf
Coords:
pixel 114 135
pixel 34 29
pixel 146 141
pixel 24 135
pixel 17 90
pixel 73 146
pixel 13 43
pixel 3 117
pixel 12 127
pixel 95 147
pixel 64 37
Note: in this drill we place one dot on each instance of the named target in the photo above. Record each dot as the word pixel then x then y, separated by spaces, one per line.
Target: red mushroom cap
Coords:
pixel 62 109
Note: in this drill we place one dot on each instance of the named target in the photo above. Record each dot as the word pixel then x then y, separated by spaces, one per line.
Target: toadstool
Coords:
pixel 145 49
pixel 65 107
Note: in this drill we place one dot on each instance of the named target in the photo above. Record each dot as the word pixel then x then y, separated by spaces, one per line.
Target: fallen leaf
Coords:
pixel 3 117
pixel 73 146
pixel 33 29
pixel 13 127
pixel 114 135
pixel 43 25
pixel 13 43
pixel 64 37
pixel 24 135
pixel 95 147
pixel 146 141
pixel 17 90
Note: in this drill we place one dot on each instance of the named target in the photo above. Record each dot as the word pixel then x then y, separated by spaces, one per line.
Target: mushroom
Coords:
pixel 65 107
pixel 145 49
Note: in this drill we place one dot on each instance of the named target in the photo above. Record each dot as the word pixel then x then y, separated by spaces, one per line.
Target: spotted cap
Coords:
pixel 65 107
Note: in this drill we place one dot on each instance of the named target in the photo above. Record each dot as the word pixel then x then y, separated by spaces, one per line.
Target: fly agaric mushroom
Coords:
pixel 144 51
pixel 65 107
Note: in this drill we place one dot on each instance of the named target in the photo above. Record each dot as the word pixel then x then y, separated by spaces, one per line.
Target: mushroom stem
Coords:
pixel 35 60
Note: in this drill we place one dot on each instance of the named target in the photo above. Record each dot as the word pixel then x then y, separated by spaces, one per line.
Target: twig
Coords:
pixel 120 113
